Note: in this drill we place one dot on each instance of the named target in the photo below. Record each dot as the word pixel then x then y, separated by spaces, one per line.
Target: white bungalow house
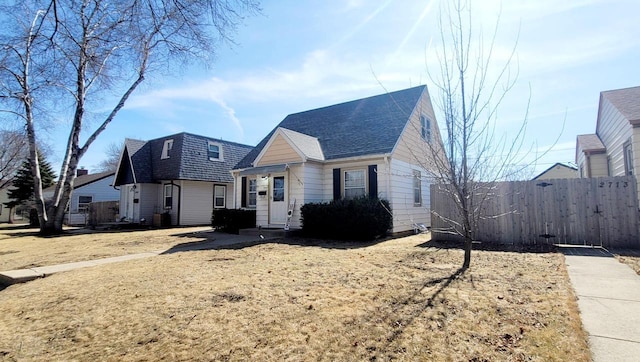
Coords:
pixel 614 149
pixel 177 179
pixel 87 188
pixel 373 146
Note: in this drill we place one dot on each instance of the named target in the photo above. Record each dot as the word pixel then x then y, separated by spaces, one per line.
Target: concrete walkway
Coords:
pixel 220 240
pixel 609 301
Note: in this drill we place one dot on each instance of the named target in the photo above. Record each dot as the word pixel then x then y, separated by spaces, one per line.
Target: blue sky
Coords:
pixel 300 55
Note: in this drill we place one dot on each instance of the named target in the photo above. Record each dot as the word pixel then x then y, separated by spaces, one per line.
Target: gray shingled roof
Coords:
pixel 188 160
pixel 590 142
pixel 626 100
pixel 83 180
pixel 362 127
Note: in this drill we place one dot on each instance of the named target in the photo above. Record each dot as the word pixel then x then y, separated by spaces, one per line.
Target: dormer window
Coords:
pixel 215 151
pixel 425 125
pixel 166 149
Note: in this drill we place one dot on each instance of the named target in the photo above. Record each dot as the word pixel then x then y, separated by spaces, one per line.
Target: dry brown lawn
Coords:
pixel 632 261
pixel 22 248
pixel 401 299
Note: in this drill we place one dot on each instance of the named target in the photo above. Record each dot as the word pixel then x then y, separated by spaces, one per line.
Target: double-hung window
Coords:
pixel 252 192
pixel 219 192
pixel 166 149
pixel 354 184
pixel 425 128
pixel 214 151
pixel 83 203
pixel 168 196
pixel 417 188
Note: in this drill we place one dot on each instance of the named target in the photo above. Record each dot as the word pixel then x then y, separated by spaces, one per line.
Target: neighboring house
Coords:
pixel 4 210
pixel 558 170
pixel 183 176
pixel 87 188
pixel 368 146
pixel 614 150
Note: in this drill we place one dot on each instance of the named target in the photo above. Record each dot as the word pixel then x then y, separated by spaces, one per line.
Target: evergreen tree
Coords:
pixel 22 189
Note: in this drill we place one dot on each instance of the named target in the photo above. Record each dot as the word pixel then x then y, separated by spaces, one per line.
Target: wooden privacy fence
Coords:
pixel 587 211
pixel 103 212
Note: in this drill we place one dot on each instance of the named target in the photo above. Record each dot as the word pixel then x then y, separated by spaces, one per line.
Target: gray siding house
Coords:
pixel 183 176
pixel 614 149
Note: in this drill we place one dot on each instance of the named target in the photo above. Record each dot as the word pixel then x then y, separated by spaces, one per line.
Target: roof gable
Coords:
pixel 84 180
pixel 557 165
pixel 626 101
pixel 361 127
pixel 286 145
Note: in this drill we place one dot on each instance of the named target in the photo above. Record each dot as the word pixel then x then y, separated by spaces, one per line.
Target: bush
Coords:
pixel 232 220
pixel 362 218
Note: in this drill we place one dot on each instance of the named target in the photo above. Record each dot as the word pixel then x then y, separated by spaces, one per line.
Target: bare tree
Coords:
pixel 111 157
pixel 65 57
pixel 473 155
pixel 12 154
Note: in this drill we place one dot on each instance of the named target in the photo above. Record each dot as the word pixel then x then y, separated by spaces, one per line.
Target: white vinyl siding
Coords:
pixel 614 130
pixel 313 184
pixel 196 203
pixel 100 190
pixel 405 214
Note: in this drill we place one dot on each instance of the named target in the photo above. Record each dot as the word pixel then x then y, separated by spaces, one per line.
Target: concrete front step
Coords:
pixel 268 232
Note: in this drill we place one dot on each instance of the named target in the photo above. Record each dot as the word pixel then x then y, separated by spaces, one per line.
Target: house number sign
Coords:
pixel 611 184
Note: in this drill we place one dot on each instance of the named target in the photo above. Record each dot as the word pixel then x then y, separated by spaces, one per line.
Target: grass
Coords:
pixel 631 261
pixel 21 247
pixel 401 299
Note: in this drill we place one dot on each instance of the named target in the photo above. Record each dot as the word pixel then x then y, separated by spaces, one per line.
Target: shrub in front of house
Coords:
pixel 232 220
pixel 361 218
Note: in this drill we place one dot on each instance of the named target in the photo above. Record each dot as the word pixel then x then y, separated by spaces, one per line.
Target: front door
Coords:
pixel 278 200
pixel 129 206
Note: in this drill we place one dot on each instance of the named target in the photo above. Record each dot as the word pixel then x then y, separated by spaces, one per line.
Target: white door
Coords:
pixel 278 200
pixel 129 207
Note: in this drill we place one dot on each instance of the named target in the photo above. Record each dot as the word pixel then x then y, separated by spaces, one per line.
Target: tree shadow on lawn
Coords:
pixel 21 231
pixel 215 240
pixel 415 304
pixel 485 246
pixel 566 249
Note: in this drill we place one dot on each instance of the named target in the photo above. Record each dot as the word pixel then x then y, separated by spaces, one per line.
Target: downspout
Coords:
pixel 179 201
pixel 235 190
pixel 588 156
pixel 388 165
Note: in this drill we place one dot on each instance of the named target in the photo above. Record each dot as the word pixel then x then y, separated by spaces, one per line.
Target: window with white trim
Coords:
pixel 168 196
pixel 166 149
pixel 425 128
pixel 83 203
pixel 252 192
pixel 214 151
pixel 354 184
pixel 628 158
pixel 219 193
pixel 417 188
